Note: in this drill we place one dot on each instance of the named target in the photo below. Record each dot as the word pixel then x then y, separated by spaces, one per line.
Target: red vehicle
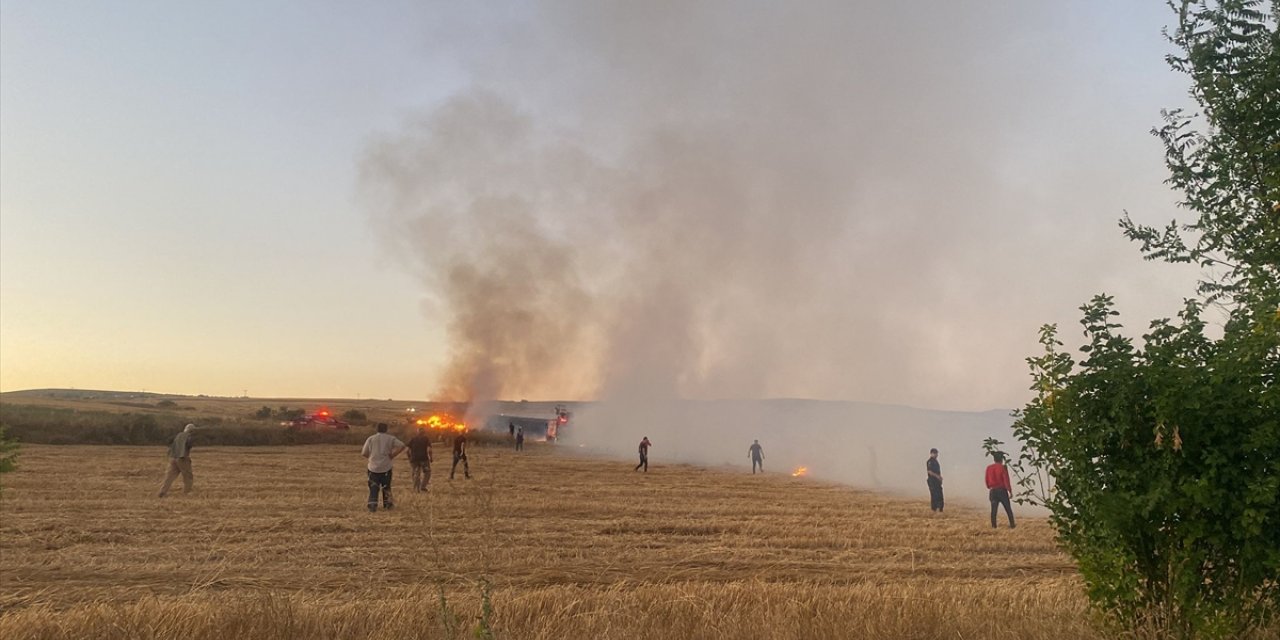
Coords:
pixel 321 419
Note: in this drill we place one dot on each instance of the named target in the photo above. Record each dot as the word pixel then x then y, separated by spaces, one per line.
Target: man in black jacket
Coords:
pixel 420 459
pixel 935 481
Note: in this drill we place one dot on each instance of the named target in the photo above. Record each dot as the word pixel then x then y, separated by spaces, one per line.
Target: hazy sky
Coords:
pixel 729 199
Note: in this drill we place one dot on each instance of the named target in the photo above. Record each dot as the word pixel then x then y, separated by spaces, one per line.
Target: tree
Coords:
pixel 8 452
pixel 285 413
pixel 1229 170
pixel 1160 463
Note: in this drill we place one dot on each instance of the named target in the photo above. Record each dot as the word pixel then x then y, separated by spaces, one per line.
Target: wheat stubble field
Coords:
pixel 275 543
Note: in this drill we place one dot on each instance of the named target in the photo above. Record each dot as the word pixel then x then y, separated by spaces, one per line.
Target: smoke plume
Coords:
pixel 668 269
pixel 652 202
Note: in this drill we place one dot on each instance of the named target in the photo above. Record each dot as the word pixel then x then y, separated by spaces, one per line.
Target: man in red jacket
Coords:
pixel 1000 489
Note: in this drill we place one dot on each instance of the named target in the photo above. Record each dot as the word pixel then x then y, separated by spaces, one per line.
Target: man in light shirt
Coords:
pixel 179 461
pixel 381 448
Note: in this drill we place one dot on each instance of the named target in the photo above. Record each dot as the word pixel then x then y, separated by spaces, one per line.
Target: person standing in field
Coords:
pixel 180 461
pixel 644 454
pixel 757 457
pixel 460 455
pixel 511 427
pixel 420 459
pixel 381 448
pixel 520 439
pixel 934 470
pixel 1000 489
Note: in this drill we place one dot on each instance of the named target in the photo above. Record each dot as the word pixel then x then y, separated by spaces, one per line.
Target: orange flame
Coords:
pixel 800 472
pixel 441 422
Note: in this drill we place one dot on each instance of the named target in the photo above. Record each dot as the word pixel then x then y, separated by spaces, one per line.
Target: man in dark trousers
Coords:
pixel 1000 489
pixel 420 459
pixel 757 457
pixel 460 455
pixel 520 439
pixel 381 448
pixel 935 481
pixel 511 427
pixel 644 454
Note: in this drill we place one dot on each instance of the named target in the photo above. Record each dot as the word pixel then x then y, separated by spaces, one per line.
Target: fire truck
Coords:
pixel 548 429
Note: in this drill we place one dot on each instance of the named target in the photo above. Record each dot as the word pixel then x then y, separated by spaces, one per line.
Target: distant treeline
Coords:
pixel 47 425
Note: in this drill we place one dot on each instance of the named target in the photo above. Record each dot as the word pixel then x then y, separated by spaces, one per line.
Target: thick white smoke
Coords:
pixel 655 203
pixel 879 447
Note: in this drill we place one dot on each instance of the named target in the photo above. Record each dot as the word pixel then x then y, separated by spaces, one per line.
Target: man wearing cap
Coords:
pixel 179 461
pixel 935 481
pixel 381 448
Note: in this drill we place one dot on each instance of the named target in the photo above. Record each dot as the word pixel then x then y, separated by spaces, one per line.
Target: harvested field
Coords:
pixel 275 543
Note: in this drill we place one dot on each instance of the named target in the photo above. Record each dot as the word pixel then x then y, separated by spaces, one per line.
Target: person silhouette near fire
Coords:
pixel 757 457
pixel 460 455
pixel 644 454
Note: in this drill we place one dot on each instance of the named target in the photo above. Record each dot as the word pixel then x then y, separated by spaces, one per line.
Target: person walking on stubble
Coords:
pixel 179 461
pixel 644 454
pixel 520 439
pixel 460 455
pixel 1000 489
pixel 381 448
pixel 934 470
pixel 757 457
pixel 420 459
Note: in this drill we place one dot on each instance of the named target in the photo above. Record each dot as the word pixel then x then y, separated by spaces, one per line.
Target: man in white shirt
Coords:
pixel 381 448
pixel 179 461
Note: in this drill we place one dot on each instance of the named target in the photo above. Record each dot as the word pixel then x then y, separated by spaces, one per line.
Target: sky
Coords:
pixel 867 201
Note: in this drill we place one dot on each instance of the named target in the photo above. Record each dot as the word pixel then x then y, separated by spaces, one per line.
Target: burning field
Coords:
pixel 441 423
pixel 275 543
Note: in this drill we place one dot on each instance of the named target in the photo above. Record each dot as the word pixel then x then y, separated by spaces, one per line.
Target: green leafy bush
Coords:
pixel 1160 462
pixel 285 413
pixel 8 452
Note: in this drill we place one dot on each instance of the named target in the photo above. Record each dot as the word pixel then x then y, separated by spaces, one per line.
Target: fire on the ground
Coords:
pixel 442 422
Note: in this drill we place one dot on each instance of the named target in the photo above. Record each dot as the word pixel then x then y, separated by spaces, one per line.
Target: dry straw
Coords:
pixel 275 543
